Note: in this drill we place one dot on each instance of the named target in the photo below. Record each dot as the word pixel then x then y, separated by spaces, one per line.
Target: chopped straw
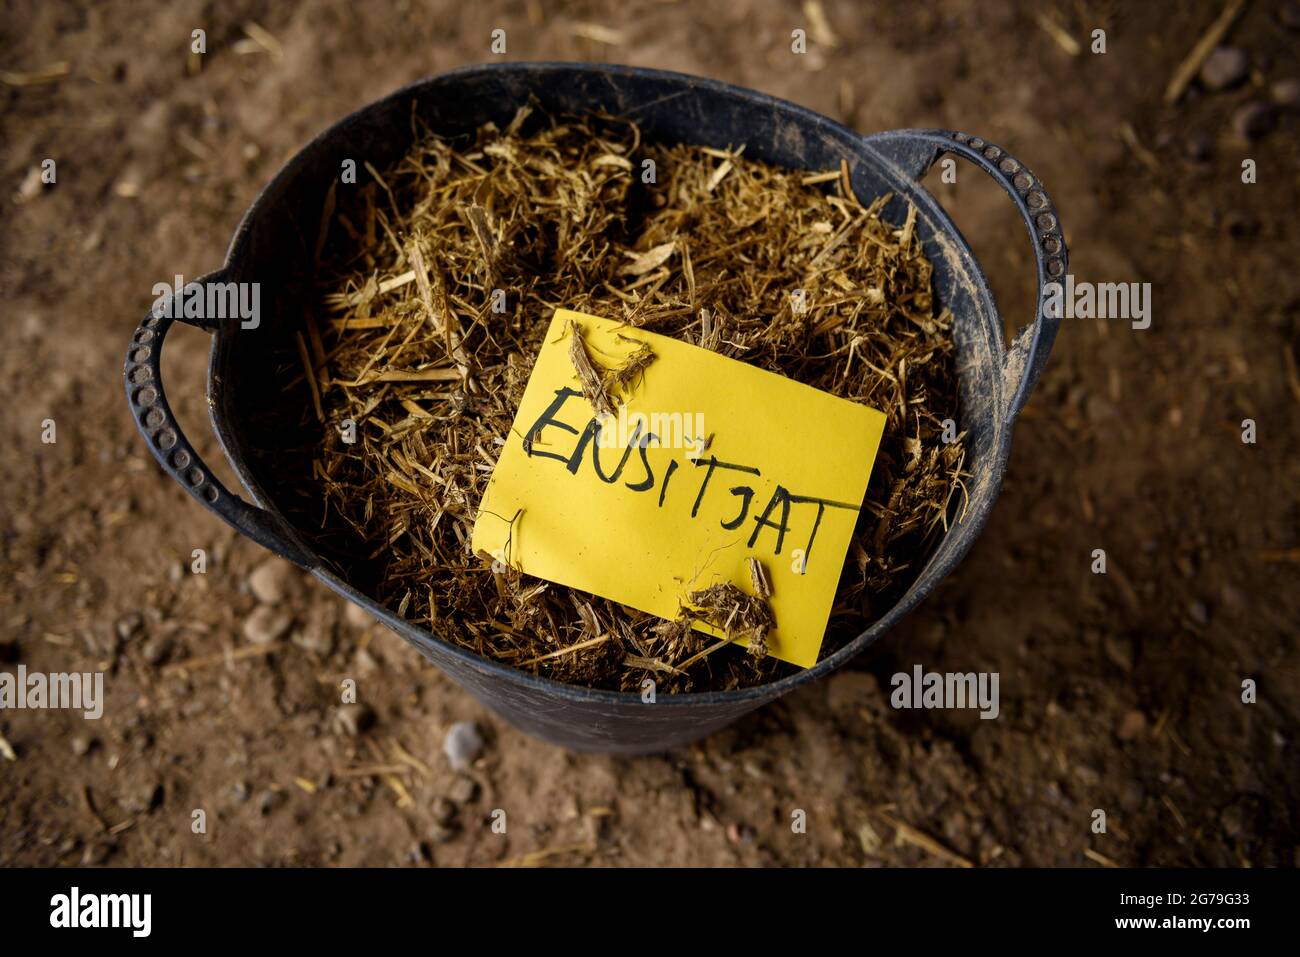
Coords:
pixel 435 285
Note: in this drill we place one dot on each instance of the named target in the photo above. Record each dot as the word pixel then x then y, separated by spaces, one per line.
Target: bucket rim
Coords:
pixel 430 644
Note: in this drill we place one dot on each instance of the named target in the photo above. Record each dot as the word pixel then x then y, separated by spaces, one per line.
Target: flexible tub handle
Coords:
pixel 915 151
pixel 162 433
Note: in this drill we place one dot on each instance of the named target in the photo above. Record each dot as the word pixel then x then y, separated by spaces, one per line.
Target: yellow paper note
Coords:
pixel 628 507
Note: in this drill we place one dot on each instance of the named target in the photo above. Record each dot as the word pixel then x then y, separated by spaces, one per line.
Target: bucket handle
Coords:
pixel 915 151
pixel 162 433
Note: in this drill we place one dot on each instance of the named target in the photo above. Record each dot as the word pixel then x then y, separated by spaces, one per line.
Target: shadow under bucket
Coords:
pixel 272 247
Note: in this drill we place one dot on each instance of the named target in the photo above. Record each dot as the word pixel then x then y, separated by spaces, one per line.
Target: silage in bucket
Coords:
pixel 274 247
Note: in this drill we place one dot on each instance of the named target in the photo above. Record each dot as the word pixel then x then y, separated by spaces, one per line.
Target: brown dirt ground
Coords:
pixel 1119 692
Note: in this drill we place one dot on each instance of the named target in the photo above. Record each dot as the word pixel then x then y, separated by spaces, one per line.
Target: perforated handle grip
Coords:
pixel 162 433
pixel 915 151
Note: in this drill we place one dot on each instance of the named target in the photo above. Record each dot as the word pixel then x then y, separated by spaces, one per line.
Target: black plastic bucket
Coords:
pixel 274 242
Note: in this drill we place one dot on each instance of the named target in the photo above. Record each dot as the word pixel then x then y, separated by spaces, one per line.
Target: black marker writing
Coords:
pixel 591 436
pixel 748 494
pixel 548 418
pixel 714 463
pixel 822 505
pixel 775 515
pixel 779 497
pixel 649 480
pixel 663 489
